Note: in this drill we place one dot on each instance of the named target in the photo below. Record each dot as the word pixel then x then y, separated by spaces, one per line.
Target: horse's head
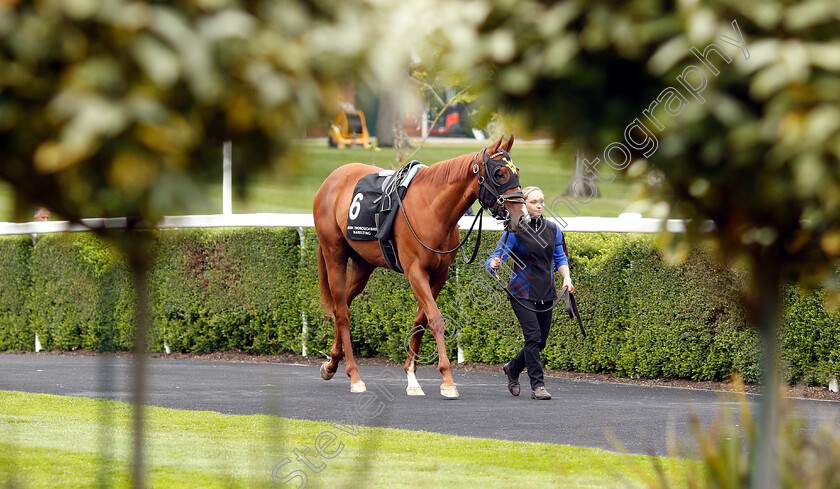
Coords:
pixel 498 185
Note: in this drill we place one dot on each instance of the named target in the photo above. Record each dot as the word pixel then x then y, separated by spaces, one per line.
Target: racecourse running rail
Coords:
pixel 624 223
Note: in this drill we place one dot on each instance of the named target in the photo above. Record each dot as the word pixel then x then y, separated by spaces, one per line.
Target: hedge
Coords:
pixel 226 289
pixel 15 331
pixel 80 294
pixel 254 289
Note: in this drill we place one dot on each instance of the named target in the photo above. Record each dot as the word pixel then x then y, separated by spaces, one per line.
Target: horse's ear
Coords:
pixel 495 147
pixel 508 144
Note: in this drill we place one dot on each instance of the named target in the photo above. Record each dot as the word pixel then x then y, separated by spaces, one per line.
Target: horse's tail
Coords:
pixel 326 295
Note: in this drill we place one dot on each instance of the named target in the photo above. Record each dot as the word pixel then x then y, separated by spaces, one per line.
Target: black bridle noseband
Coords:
pixel 491 196
pixel 504 176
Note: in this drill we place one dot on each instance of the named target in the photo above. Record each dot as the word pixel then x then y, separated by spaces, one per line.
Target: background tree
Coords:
pixel 580 172
pixel 389 128
pixel 427 89
pixel 755 149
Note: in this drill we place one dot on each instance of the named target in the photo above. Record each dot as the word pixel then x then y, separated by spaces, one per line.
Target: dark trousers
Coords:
pixel 535 327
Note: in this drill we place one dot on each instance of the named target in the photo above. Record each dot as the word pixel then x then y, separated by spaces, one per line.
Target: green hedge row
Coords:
pixel 79 294
pixel 15 332
pixel 256 290
pixel 227 289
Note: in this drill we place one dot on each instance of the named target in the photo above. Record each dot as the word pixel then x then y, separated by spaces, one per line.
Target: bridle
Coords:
pixel 490 197
pixel 505 176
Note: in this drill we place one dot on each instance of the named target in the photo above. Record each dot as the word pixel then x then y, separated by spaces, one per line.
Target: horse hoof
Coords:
pixel 324 374
pixel 414 391
pixel 358 387
pixel 449 391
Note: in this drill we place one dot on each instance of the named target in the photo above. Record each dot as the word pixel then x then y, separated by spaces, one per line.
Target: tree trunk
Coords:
pixel 767 312
pixel 390 132
pixel 582 192
pixel 387 117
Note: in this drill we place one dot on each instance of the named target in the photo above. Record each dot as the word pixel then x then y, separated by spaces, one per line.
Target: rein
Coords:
pixel 463 241
pixel 496 207
pixel 568 297
pixel 509 293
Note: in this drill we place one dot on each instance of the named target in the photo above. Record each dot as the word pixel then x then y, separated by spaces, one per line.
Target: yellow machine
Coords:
pixel 348 129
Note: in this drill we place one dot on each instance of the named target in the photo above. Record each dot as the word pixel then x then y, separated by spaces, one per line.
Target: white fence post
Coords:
pixel 303 321
pixel 227 178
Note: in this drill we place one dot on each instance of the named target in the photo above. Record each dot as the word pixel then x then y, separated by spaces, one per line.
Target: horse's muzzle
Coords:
pixel 522 224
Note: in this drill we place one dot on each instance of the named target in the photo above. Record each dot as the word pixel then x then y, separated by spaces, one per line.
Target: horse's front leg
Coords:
pixel 422 288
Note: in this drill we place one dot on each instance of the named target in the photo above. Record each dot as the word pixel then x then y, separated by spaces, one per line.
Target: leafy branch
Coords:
pixel 425 86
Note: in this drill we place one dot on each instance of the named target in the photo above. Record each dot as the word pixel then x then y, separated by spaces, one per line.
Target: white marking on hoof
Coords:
pixel 449 391
pixel 324 374
pixel 358 387
pixel 413 388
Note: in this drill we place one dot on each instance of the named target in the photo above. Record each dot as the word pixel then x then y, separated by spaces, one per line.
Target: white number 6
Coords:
pixel 356 206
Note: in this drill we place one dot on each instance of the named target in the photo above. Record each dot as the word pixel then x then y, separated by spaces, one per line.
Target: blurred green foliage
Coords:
pixel 106 108
pixel 759 155
pixel 807 458
pixel 754 146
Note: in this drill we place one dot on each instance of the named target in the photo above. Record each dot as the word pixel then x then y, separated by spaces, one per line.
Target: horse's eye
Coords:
pixel 501 176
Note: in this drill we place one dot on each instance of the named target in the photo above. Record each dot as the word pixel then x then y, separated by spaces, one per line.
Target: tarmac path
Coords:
pixel 580 413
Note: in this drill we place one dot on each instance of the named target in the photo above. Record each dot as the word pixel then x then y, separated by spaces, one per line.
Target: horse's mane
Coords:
pixel 447 171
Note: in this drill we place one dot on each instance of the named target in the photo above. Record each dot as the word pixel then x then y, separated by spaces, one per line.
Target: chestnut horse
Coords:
pixel 437 197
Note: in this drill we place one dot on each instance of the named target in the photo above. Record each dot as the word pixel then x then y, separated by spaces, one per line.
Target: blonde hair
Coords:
pixel 528 190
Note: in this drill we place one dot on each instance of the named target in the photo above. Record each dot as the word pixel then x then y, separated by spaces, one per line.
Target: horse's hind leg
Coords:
pixel 336 261
pixel 360 271
pixel 336 274
pixel 415 340
pixel 329 367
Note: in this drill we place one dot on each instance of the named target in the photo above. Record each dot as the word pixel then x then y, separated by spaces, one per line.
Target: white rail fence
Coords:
pixel 625 223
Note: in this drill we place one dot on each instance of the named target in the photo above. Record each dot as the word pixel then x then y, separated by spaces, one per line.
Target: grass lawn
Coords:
pixel 55 441
pixel 292 188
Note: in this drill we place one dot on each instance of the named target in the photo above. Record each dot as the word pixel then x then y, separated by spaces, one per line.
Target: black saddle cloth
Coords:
pixel 370 216
pixel 374 209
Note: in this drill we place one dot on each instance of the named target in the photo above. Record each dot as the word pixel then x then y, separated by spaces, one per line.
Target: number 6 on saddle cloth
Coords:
pixel 374 205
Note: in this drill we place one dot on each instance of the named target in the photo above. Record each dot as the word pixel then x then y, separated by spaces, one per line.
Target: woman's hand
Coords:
pixel 495 263
pixel 567 282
